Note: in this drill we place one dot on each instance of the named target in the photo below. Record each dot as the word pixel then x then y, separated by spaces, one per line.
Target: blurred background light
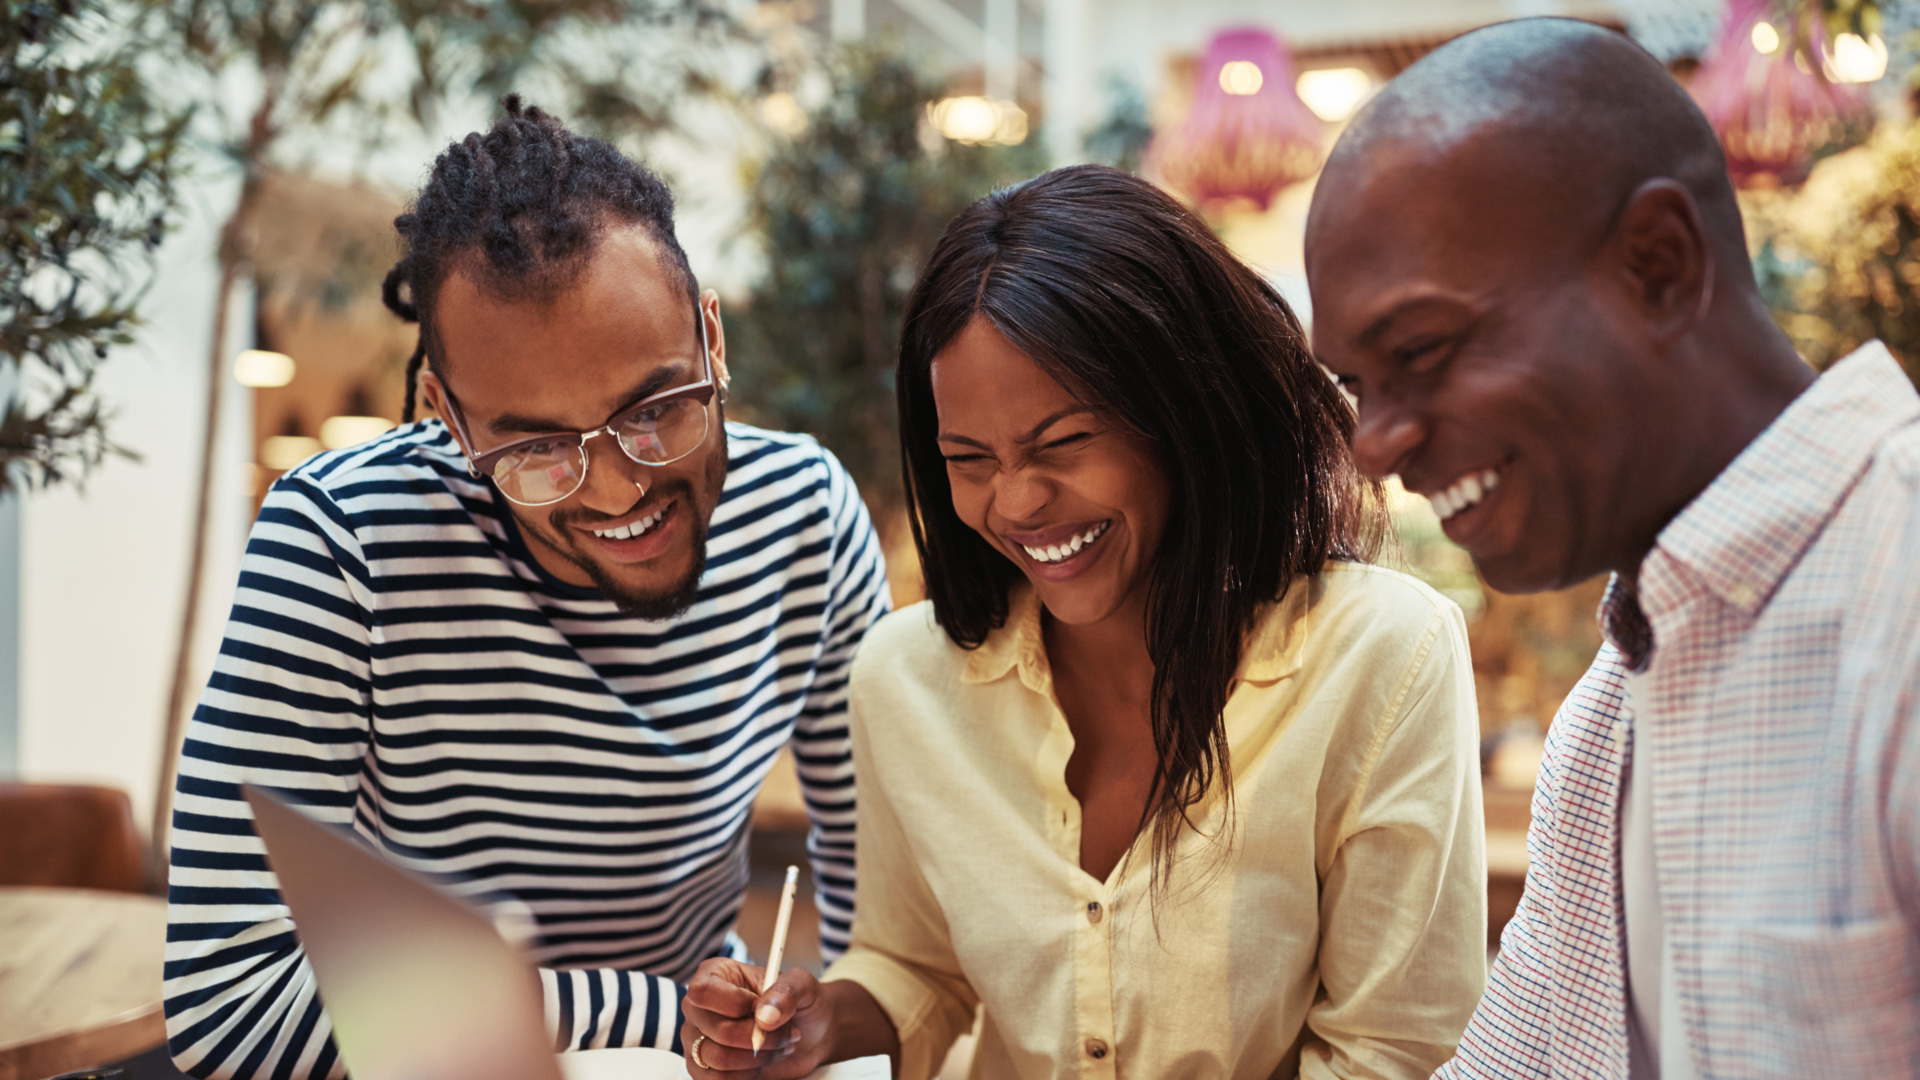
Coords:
pixel 1765 38
pixel 1241 78
pixel 337 432
pixel 1334 93
pixel 783 114
pixel 283 452
pixel 1856 59
pixel 975 120
pixel 260 368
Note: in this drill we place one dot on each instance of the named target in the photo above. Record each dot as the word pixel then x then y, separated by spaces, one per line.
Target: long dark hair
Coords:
pixel 1111 285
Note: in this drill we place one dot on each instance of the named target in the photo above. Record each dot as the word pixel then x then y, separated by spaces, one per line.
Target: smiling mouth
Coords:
pixel 1465 492
pixel 633 529
pixel 1056 553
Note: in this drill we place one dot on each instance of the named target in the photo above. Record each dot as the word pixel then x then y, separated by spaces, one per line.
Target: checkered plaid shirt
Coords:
pixel 1783 701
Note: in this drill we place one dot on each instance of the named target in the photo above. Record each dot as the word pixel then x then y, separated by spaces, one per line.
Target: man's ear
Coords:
pixel 436 396
pixel 716 338
pixel 1663 254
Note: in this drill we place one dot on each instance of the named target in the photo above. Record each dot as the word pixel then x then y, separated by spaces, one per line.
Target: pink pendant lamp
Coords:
pixel 1249 134
pixel 1771 113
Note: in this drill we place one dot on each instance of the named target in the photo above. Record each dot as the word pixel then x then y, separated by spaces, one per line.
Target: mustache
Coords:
pixel 563 519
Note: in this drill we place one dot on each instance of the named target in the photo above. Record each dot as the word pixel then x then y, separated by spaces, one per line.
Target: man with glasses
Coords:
pixel 549 647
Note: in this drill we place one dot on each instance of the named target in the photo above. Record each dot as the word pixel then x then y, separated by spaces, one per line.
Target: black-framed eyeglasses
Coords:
pixel 544 469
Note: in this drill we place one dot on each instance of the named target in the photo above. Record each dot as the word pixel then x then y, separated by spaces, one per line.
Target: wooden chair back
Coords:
pixel 71 835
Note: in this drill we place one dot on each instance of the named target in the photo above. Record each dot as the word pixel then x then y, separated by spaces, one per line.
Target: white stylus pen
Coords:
pixel 779 946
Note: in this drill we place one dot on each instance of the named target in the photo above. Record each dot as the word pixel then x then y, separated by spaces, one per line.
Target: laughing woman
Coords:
pixel 1164 780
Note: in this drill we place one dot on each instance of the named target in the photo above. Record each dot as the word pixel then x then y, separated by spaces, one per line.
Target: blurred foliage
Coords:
pixel 88 161
pixel 318 58
pixel 848 210
pixel 354 68
pixel 1121 138
pixel 1862 17
pixel 1839 259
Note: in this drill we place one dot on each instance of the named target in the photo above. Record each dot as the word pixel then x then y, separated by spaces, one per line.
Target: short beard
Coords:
pixel 668 603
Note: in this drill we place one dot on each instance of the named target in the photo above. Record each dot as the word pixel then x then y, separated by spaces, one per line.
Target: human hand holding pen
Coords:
pixel 748 1022
pixel 808 1023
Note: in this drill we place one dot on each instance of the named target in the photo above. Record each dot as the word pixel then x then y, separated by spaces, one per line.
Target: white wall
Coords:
pixel 103 570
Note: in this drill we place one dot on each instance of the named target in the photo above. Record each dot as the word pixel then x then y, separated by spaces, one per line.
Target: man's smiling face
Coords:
pixel 1493 371
pixel 618 331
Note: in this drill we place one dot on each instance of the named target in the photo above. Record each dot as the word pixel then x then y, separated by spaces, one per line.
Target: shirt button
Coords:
pixel 1742 594
pixel 1093 911
pixel 1096 1049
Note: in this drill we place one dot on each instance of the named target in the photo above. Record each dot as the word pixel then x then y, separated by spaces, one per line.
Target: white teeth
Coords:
pixel 1053 553
pixel 1464 492
pixel 632 529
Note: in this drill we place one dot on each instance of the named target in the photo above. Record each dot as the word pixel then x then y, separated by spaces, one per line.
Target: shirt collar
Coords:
pixel 1013 645
pixel 1741 535
pixel 1272 650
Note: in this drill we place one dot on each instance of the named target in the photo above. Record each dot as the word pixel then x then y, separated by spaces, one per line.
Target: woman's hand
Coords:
pixel 807 1023
pixel 719 1008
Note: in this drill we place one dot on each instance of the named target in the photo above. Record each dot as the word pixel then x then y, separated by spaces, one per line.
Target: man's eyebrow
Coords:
pixel 1031 435
pixel 655 382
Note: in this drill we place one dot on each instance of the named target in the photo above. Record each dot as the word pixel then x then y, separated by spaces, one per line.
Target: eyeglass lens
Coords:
pixel 551 470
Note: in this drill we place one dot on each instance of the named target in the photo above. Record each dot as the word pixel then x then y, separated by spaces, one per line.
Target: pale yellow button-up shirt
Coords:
pixel 1339 928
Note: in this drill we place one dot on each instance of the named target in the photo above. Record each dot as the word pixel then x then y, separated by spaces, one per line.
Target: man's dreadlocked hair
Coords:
pixel 519 208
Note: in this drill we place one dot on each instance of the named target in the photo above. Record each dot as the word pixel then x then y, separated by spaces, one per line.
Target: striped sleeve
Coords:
pixel 288 707
pixel 822 748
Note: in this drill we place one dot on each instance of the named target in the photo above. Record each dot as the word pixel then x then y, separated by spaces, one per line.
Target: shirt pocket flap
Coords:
pixel 1827 967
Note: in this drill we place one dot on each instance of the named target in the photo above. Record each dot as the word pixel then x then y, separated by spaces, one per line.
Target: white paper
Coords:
pixel 639 1063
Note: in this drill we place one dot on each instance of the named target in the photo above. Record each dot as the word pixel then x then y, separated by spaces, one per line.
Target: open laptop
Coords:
pixel 418 984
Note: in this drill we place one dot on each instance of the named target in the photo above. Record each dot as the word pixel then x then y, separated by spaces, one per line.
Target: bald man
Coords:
pixel 1527 262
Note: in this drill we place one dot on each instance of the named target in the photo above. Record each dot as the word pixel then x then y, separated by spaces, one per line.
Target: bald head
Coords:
pixel 1526 260
pixel 1553 105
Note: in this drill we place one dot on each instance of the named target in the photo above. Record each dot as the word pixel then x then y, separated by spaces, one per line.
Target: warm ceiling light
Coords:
pixel 976 120
pixel 260 368
pixel 1241 78
pixel 338 432
pixel 1856 59
pixel 1765 38
pixel 783 114
pixel 1334 93
pixel 283 452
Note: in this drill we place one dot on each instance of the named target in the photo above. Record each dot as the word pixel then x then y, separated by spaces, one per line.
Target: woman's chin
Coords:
pixel 1076 603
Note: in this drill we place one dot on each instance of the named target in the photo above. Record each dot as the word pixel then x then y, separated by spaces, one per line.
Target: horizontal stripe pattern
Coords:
pixel 398 663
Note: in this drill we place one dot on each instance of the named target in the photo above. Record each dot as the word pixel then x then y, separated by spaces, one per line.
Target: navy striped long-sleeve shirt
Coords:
pixel 398 661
